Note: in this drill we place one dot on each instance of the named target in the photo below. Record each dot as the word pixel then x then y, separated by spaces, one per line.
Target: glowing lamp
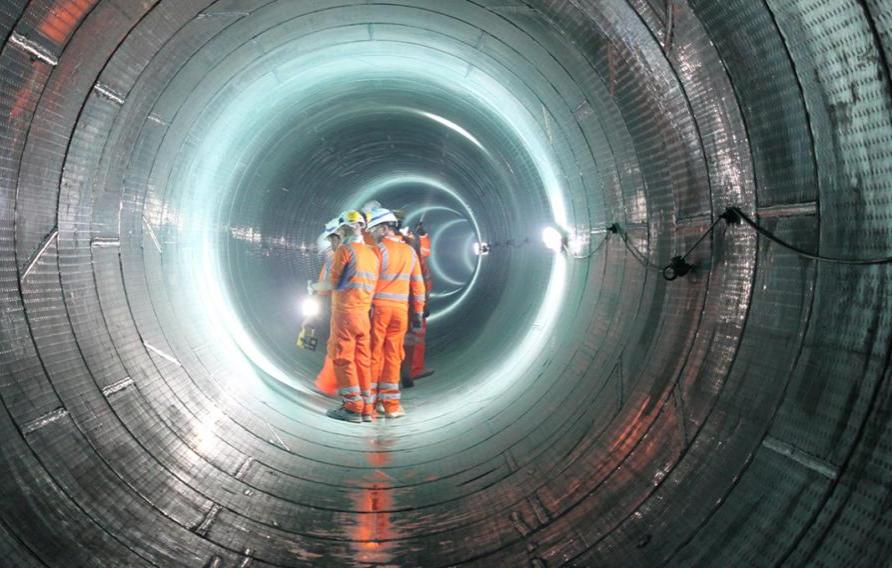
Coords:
pixel 310 307
pixel 553 239
pixel 481 249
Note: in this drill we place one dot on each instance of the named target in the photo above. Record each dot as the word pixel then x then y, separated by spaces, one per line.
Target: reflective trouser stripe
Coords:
pixel 348 347
pixel 389 324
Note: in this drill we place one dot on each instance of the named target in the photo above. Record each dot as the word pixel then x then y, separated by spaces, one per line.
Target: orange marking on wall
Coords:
pixel 20 103
pixel 62 18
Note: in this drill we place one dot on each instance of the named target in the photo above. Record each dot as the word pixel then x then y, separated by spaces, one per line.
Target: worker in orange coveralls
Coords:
pixel 353 277
pixel 413 365
pixel 399 298
pixel 325 380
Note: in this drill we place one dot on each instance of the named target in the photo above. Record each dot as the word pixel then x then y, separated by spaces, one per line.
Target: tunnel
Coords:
pixel 166 169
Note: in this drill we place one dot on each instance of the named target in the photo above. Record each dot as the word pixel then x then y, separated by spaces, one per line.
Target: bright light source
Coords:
pixel 310 307
pixel 481 249
pixel 553 239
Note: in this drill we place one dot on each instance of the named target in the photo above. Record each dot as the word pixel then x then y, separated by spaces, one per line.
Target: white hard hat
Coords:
pixel 382 216
pixel 331 228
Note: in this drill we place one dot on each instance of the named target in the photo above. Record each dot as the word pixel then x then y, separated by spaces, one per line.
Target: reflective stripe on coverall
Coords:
pixel 400 289
pixel 354 274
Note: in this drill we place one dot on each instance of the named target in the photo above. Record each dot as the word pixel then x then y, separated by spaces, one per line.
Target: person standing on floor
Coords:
pixel 353 277
pixel 325 380
pixel 399 298
pixel 413 366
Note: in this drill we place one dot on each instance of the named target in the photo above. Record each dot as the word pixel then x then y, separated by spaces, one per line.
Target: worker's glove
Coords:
pixel 427 311
pixel 417 322
pixel 311 289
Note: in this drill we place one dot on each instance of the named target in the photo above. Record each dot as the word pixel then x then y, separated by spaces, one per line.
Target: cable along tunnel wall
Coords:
pixel 736 416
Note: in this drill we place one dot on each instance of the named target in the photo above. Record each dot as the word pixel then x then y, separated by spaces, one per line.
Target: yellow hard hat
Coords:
pixel 353 218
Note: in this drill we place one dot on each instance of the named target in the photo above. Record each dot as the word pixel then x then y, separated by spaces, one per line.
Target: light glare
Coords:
pixel 552 239
pixel 310 307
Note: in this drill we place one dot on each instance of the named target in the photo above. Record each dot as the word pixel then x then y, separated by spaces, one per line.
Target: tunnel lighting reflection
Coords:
pixel 310 307
pixel 379 185
pixel 206 431
pixel 435 264
pixel 553 239
pixel 225 138
pixel 454 127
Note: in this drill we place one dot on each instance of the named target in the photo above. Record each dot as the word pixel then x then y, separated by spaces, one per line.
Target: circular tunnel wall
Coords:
pixel 167 168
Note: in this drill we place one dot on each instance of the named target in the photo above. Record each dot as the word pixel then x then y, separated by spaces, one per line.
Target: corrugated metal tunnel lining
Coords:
pixel 167 164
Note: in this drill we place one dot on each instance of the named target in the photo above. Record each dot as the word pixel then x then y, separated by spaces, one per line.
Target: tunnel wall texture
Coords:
pixel 737 416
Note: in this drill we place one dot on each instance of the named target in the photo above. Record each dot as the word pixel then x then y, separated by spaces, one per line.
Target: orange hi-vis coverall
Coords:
pixel 400 289
pixel 354 275
pixel 325 380
pixel 415 339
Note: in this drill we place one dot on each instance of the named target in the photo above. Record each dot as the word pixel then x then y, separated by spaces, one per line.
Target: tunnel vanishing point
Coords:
pixel 167 165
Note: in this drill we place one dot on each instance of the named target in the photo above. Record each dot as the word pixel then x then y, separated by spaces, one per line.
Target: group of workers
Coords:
pixel 377 276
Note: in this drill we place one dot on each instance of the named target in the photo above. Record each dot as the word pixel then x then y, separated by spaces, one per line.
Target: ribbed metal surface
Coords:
pixel 165 168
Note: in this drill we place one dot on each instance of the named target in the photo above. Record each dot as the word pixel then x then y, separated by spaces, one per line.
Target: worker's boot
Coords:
pixel 345 415
pixel 368 412
pixel 397 412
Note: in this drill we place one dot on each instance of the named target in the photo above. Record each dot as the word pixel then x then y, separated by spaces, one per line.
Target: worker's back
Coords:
pixel 354 275
pixel 400 280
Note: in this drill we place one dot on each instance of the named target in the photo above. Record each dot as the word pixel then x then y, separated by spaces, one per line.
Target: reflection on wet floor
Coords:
pixel 373 535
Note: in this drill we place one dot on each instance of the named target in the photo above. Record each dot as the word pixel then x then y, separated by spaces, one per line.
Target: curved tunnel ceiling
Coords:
pixel 166 167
